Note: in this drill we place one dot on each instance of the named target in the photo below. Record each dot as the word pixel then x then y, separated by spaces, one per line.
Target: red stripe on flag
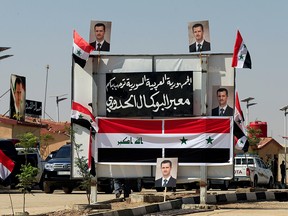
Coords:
pixel 237 46
pixel 129 126
pixel 78 107
pixel 81 43
pixel 6 161
pixel 199 125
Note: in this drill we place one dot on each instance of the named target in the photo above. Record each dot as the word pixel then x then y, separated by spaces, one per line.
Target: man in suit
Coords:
pixel 223 109
pixel 166 180
pixel 200 44
pixel 18 100
pixel 100 44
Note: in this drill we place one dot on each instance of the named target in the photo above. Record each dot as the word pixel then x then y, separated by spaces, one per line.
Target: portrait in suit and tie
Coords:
pixel 223 109
pixel 199 37
pixel 100 34
pixel 166 172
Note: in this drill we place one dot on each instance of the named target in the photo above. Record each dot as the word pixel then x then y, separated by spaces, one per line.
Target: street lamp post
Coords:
pixel 247 100
pixel 284 109
pixel 58 99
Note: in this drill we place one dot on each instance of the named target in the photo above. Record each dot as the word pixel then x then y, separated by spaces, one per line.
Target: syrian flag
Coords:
pixel 241 141
pixel 81 49
pixel 82 116
pixel 91 158
pixel 241 56
pixel 8 156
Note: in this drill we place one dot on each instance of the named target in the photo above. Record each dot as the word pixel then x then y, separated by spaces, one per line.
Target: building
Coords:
pixel 10 128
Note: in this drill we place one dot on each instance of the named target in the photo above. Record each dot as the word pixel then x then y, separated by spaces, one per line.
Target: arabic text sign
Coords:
pixel 33 108
pixel 149 94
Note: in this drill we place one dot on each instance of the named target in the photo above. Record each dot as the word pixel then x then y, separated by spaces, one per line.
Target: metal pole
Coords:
pixel 57 103
pixel 247 114
pixel 44 112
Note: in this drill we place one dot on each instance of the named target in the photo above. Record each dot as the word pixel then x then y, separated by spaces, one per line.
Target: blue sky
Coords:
pixel 40 33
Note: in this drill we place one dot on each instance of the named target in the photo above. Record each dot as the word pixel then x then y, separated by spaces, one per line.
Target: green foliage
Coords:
pixel 45 138
pixel 27 141
pixel 83 169
pixel 27 177
pixel 253 138
pixel 28 173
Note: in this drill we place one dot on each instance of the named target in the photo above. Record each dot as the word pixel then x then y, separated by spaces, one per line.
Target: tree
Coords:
pixel 253 138
pixel 45 138
pixel 28 173
pixel 82 165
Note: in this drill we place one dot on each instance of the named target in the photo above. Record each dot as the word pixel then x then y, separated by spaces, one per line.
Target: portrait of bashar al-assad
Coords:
pixel 166 172
pixel 100 34
pixel 199 36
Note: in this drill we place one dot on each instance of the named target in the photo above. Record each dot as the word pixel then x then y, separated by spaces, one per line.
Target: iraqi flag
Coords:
pixel 241 56
pixel 241 141
pixel 82 116
pixel 204 132
pixel 81 49
pixel 8 156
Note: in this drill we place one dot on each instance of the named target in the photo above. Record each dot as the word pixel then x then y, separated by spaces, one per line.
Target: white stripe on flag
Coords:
pixel 202 132
pixel 123 140
pixel 79 52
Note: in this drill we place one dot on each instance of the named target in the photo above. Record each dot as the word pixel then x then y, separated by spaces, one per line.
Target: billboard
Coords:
pixel 17 97
pixel 114 87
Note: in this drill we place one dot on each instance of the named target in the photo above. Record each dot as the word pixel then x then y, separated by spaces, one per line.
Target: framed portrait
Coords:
pixel 166 172
pixel 17 97
pixel 100 35
pixel 230 99
pixel 199 36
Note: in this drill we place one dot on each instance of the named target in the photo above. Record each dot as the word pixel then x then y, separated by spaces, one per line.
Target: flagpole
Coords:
pixel 44 112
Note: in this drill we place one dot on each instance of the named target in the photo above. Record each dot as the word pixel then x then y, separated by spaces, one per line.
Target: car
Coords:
pixel 57 172
pixel 252 171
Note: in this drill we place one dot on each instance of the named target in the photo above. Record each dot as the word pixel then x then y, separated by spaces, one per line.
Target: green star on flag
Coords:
pixel 209 140
pixel 78 52
pixel 183 140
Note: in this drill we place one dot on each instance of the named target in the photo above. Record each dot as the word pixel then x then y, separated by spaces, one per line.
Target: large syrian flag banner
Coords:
pixel 241 56
pixel 141 138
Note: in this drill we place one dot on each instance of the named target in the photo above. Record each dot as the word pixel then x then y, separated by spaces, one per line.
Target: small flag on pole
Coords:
pixel 81 113
pixel 241 56
pixel 241 141
pixel 81 49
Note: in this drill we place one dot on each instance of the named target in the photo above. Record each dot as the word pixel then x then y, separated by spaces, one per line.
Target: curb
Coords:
pixel 211 199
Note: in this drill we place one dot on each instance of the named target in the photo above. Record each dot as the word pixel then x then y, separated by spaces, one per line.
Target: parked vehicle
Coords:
pixel 252 171
pixel 57 172
pixel 33 157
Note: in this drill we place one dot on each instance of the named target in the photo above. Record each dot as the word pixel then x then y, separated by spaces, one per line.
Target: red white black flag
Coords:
pixel 81 49
pixel 241 56
pixel 8 155
pixel 241 141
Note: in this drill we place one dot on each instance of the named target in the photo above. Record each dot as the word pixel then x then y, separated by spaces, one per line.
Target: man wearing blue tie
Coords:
pixel 223 109
pixel 166 180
